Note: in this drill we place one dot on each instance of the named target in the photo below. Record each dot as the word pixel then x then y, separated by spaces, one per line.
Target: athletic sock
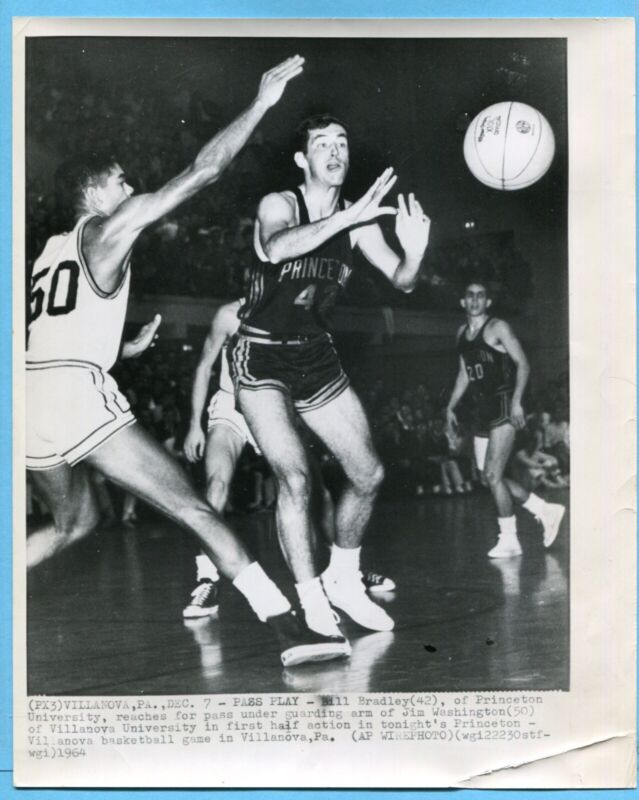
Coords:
pixel 206 569
pixel 344 562
pixel 317 610
pixel 507 526
pixel 535 505
pixel 262 594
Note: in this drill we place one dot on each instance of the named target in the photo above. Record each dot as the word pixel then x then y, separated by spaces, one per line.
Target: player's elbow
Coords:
pixel 404 286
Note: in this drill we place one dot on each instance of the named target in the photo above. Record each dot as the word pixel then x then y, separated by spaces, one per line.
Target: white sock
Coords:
pixel 310 592
pixel 535 505
pixel 317 610
pixel 507 526
pixel 206 568
pixel 262 594
pixel 344 562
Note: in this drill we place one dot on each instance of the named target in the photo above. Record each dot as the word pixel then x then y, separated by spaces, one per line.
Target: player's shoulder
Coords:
pixel 499 328
pixel 460 331
pixel 278 202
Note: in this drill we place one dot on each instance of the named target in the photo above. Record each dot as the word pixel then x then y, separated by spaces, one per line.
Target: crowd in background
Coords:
pixel 205 248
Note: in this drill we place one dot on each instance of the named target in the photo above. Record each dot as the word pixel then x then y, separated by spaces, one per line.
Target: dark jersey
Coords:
pixel 489 371
pixel 298 296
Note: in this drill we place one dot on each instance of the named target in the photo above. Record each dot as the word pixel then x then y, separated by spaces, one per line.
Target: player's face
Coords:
pixel 112 191
pixel 327 155
pixel 475 301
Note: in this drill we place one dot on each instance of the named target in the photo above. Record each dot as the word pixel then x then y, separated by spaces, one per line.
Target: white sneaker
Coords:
pixel 321 618
pixel 550 520
pixel 507 547
pixel 350 596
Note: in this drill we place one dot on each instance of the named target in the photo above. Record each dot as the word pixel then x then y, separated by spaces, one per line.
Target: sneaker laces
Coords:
pixel 374 578
pixel 201 592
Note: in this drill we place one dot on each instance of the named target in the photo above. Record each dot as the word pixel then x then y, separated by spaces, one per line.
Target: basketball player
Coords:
pixel 493 365
pixel 227 434
pixel 284 361
pixel 76 415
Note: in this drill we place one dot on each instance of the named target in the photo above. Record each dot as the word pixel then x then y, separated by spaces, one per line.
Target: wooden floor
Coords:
pixel 105 617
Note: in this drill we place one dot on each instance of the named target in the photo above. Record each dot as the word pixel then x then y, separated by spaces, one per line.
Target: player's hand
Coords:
pixel 517 416
pixel 145 338
pixel 274 81
pixel 451 422
pixel 368 206
pixel 194 444
pixel 412 226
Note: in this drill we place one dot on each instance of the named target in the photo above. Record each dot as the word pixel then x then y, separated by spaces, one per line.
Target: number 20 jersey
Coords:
pixel 490 371
pixel 297 296
pixel 70 317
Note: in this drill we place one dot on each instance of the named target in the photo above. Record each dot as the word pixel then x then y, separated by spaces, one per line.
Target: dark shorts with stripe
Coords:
pixel 309 371
pixel 492 411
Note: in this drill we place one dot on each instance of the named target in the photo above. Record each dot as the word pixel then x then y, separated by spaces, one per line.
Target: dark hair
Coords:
pixel 74 176
pixel 313 123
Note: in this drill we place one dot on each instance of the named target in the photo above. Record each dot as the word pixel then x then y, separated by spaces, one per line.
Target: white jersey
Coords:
pixel 70 317
pixel 226 382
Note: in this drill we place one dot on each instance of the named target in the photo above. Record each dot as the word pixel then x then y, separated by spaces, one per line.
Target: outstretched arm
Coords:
pixel 461 384
pixel 510 342
pixel 112 237
pixel 282 238
pixel 412 227
pixel 222 327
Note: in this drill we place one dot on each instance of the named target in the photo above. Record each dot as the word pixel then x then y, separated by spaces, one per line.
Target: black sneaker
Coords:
pixel 204 600
pixel 378 583
pixel 300 644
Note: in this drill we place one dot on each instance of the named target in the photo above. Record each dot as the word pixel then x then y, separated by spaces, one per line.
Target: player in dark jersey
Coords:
pixel 284 361
pixel 493 365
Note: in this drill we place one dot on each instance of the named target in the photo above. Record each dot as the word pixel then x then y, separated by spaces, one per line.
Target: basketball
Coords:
pixel 509 146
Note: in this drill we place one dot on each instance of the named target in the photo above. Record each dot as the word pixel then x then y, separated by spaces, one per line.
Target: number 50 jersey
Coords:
pixel 70 317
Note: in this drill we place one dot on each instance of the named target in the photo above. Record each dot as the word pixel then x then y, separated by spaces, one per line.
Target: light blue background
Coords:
pixel 197 8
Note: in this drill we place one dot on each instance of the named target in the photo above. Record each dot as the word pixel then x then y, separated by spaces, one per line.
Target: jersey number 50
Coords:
pixel 63 291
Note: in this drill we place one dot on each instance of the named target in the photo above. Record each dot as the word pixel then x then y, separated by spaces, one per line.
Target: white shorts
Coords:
pixel 480 445
pixel 72 408
pixel 222 411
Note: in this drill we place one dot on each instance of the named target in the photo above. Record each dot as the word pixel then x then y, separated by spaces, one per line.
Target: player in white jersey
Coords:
pixel 76 414
pixel 226 436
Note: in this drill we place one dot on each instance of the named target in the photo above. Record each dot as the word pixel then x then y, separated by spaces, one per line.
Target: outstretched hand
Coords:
pixel 412 226
pixel 145 338
pixel 274 81
pixel 368 206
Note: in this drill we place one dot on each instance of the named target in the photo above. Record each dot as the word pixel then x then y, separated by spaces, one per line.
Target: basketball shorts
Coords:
pixel 73 407
pixel 310 371
pixel 222 411
pixel 492 411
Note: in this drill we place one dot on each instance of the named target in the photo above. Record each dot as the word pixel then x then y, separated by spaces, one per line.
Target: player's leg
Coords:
pixel 374 582
pixel 135 461
pixel 223 449
pixel 342 425
pixel 549 515
pixel 68 494
pixel 270 416
pixel 501 440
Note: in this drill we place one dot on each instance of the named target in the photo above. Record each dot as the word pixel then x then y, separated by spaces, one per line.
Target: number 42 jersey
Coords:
pixel 297 296
pixel 70 317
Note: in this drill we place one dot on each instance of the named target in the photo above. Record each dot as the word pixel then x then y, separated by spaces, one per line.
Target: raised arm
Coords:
pixel 221 328
pixel 111 238
pixel 282 238
pixel 506 337
pixel 412 227
pixel 461 384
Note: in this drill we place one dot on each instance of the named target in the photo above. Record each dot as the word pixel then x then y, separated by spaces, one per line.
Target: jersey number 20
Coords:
pixel 63 291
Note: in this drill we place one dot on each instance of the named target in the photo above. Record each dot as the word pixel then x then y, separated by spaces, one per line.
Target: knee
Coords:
pixel 493 477
pixel 77 525
pixel 367 481
pixel 296 484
